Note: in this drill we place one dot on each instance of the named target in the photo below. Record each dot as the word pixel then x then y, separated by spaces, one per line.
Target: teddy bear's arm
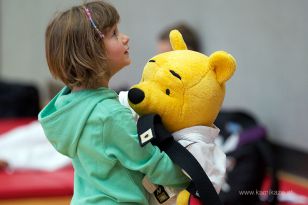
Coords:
pixel 124 101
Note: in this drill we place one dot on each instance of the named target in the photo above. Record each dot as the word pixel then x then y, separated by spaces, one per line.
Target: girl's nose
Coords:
pixel 125 39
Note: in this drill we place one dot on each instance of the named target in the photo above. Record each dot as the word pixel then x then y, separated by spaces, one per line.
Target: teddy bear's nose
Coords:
pixel 135 95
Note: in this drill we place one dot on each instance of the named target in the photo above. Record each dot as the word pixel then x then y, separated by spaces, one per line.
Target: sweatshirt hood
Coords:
pixel 66 115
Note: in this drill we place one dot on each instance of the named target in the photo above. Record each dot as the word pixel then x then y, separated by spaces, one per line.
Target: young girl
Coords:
pixel 86 122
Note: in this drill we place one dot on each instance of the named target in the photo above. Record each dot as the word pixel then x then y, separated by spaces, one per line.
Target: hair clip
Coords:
pixel 88 13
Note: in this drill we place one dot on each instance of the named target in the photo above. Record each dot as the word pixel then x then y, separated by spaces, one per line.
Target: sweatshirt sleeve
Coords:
pixel 121 143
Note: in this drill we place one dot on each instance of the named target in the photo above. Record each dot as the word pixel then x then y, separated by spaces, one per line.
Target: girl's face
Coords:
pixel 116 45
pixel 164 46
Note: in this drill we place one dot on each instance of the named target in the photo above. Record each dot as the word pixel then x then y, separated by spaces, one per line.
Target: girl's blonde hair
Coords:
pixel 74 50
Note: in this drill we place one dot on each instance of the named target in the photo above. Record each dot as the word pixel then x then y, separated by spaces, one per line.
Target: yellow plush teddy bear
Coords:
pixel 186 89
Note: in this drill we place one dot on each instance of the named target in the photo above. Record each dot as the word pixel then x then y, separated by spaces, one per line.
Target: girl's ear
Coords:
pixel 223 64
pixel 176 40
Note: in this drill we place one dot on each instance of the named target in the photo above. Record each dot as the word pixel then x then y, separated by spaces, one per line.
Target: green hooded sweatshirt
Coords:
pixel 100 136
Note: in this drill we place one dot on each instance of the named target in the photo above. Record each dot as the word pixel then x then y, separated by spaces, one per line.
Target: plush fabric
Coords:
pixel 186 88
pixel 196 97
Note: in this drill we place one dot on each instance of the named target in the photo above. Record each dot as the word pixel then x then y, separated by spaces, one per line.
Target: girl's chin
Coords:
pixel 129 61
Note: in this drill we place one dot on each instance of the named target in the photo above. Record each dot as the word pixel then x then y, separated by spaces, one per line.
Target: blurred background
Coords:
pixel 268 39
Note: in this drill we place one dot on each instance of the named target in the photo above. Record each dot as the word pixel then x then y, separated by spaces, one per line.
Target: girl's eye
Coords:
pixel 115 33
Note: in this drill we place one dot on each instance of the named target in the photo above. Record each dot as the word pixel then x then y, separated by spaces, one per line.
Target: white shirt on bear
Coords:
pixel 199 140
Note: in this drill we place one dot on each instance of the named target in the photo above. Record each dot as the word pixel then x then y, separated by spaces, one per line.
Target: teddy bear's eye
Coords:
pixel 175 74
pixel 153 61
pixel 168 92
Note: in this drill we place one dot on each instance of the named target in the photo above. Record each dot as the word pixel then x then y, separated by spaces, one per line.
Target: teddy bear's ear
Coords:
pixel 176 40
pixel 223 64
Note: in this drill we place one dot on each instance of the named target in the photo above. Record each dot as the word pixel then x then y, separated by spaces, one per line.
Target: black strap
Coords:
pixel 182 157
pixel 192 188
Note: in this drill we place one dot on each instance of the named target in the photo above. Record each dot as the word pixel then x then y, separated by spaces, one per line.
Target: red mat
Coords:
pixel 289 186
pixel 20 184
pixel 8 124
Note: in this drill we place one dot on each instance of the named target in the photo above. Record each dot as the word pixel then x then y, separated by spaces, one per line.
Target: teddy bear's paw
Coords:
pixel 183 198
